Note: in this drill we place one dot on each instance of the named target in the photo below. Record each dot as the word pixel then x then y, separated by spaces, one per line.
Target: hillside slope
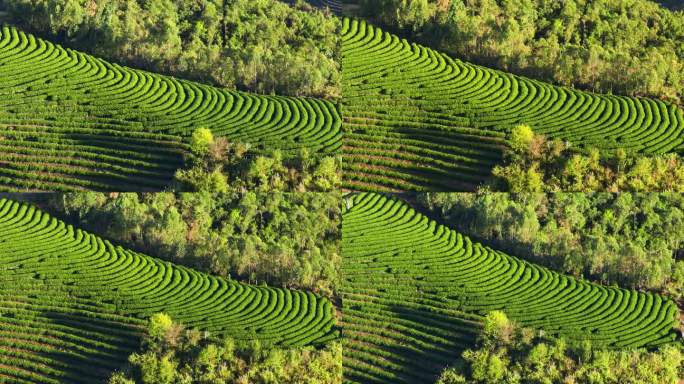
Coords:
pixel 417 119
pixel 414 293
pixel 71 121
pixel 72 305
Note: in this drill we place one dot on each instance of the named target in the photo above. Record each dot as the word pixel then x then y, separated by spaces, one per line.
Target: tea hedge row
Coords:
pixel 72 304
pixel 416 118
pixel 71 121
pixel 414 293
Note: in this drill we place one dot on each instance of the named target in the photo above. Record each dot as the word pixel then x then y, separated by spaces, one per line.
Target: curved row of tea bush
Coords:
pixel 69 299
pixel 52 337
pixel 418 119
pixel 72 121
pixel 414 293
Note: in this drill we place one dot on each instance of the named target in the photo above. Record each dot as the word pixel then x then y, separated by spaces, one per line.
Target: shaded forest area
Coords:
pixel 672 4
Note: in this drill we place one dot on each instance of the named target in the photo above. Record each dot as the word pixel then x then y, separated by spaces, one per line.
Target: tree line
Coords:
pixel 281 239
pixel 508 353
pixel 171 353
pixel 629 47
pixel 533 163
pixel 217 165
pixel 635 240
pixel 263 46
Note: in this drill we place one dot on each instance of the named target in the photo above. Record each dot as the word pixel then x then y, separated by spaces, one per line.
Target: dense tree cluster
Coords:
pixel 172 354
pixel 633 47
pixel 507 353
pixel 533 163
pixel 263 46
pixel 219 166
pixel 673 4
pixel 289 240
pixel 631 239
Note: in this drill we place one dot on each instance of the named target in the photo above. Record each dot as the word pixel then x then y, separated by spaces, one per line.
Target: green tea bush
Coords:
pixel 415 294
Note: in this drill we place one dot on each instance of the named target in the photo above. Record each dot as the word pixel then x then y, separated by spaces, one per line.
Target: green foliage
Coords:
pixel 160 324
pixel 201 142
pixel 535 164
pixel 524 359
pixel 233 167
pixel 416 291
pixel 326 175
pixel 79 122
pixel 630 47
pixel 487 367
pixel 155 370
pixel 412 13
pixel 74 302
pixel 628 238
pixel 519 179
pixel 194 358
pixel 120 378
pixel 448 376
pixel 522 137
pixel 419 119
pixel 282 239
pixel 496 326
pixel 263 46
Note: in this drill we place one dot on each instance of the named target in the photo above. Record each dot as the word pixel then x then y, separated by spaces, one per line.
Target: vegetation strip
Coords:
pixel 59 103
pixel 407 98
pixel 71 302
pixel 414 293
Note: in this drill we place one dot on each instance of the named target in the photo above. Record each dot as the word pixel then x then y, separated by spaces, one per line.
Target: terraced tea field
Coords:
pixel 70 121
pixel 417 119
pixel 72 305
pixel 414 293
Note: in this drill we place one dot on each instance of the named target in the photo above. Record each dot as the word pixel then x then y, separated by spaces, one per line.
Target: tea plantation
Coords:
pixel 69 121
pixel 417 119
pixel 73 306
pixel 414 293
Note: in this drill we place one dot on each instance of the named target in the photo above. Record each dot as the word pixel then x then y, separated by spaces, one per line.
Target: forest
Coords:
pixel 173 354
pixel 506 352
pixel 261 46
pixel 217 165
pixel 435 290
pixel 626 47
pixel 534 163
pixel 616 47
pixel 282 239
pixel 632 239
pixel 198 288
pixel 424 118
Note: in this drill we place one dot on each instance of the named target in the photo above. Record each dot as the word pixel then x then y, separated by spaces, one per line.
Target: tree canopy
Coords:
pixel 217 165
pixel 633 239
pixel 633 47
pixel 264 46
pixel 533 163
pixel 289 240
pixel 507 353
pixel 173 354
